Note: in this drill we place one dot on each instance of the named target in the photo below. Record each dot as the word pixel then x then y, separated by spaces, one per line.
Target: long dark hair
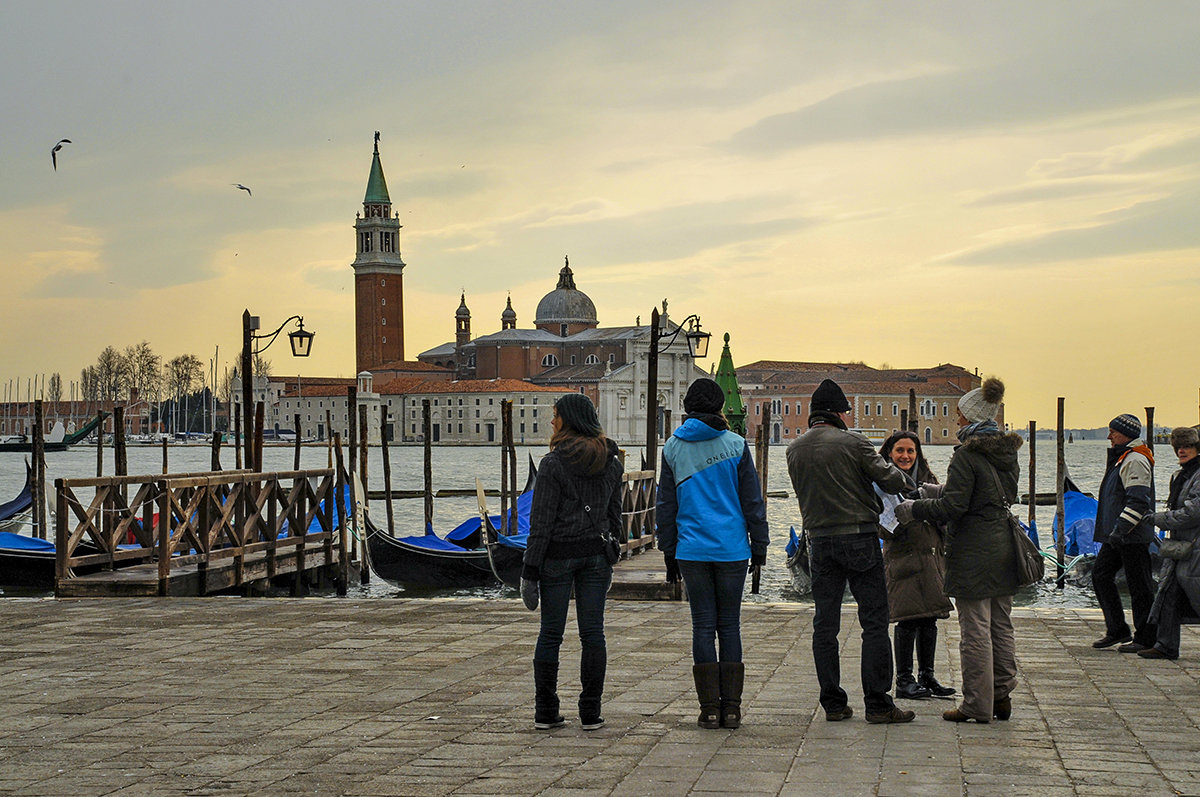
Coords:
pixel 921 471
pixel 590 452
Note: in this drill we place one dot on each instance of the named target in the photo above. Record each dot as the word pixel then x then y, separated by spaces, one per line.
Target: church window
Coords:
pixel 383 321
pixel 878 409
pixel 385 338
pixel 786 407
pixel 757 409
pixel 364 241
pixel 591 359
pixel 798 407
pixel 895 409
pixel 945 409
pixel 572 359
pixel 549 361
pixel 562 329
pixel 866 408
pixel 383 302
pixel 383 283
pixel 612 358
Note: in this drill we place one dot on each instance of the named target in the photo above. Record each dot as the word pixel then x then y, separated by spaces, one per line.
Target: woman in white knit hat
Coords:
pixel 981 565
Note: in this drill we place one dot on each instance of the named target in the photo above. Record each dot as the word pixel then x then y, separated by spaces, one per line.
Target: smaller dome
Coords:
pixel 462 311
pixel 509 313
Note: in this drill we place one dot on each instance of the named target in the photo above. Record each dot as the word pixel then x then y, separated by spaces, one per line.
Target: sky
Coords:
pixel 1011 187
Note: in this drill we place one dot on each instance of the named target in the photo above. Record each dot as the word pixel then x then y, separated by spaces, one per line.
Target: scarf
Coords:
pixel 822 418
pixel 1179 480
pixel 979 427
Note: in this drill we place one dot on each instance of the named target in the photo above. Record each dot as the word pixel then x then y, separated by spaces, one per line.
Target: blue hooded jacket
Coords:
pixel 710 506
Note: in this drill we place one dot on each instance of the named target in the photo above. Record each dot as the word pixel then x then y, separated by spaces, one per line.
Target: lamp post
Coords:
pixel 301 342
pixel 697 341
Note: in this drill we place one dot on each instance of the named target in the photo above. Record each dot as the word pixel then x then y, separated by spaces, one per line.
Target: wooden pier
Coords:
pixel 200 533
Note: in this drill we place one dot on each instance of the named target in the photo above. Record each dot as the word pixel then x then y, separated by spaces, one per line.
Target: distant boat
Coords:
pixel 23 443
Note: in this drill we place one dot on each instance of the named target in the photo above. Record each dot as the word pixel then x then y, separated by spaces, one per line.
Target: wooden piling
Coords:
pixel 259 418
pixel 237 441
pixel 37 482
pixel 1150 443
pixel 387 470
pixel 165 469
pixel 1060 478
pixel 1033 472
pixel 427 432
pixel 364 572
pixel 363 437
pixel 505 432
pixel 343 584
pixel 352 427
pixel 122 461
pixel 904 419
pixel 329 436
pixel 296 459
pixel 99 444
pixel 912 410
pixel 216 450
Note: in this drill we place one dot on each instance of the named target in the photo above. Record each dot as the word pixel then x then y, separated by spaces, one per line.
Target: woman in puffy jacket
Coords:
pixel 711 522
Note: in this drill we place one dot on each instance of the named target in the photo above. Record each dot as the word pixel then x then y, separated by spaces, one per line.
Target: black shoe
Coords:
pixel 1156 653
pixel 911 690
pixel 892 715
pixel 1131 647
pixel 1002 709
pixel 1108 640
pixel 936 689
pixel 549 723
pixel 841 714
pixel 592 723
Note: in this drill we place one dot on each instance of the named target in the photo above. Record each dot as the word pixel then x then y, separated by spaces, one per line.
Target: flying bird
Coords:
pixel 244 188
pixel 54 152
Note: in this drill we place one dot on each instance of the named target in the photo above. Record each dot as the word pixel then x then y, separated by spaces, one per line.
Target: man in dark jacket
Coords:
pixel 832 471
pixel 1124 530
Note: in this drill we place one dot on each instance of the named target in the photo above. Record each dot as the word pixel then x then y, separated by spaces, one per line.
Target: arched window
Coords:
pixel 549 361
pixel 945 409
pixel 591 359
pixel 895 409
pixel 866 408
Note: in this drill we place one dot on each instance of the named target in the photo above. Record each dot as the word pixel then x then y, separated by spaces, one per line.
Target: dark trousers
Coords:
pixel 1170 614
pixel 836 562
pixel 589 576
pixel 1135 559
pixel 714 591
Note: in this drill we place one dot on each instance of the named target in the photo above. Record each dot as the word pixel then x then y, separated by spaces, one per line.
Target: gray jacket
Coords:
pixel 833 471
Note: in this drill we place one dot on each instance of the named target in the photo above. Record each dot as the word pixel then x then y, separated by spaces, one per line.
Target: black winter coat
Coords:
pixel 980 557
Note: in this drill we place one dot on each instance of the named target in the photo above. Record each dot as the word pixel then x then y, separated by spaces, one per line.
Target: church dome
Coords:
pixel 462 311
pixel 509 313
pixel 566 304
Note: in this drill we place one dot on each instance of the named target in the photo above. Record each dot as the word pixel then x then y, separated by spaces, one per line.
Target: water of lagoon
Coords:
pixel 458 466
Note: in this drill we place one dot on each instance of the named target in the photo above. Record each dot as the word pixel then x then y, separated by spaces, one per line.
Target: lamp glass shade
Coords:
pixel 301 342
pixel 698 342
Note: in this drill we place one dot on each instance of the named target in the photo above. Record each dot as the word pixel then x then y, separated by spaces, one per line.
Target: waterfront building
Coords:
pixel 882 398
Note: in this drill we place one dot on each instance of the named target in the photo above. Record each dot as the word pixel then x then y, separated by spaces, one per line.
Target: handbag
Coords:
pixel 612 548
pixel 1175 549
pixel 1031 565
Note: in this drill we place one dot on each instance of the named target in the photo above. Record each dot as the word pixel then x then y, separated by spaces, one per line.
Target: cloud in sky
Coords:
pixel 790 170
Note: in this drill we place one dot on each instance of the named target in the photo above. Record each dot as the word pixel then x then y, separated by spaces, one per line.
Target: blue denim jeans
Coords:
pixel 714 591
pixel 836 562
pixel 589 576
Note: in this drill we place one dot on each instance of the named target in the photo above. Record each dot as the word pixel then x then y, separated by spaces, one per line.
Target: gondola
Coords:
pixel 797 563
pixel 14 513
pixel 457 560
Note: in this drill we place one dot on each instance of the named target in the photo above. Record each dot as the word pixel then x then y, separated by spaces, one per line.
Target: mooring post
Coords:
pixel 99 443
pixel 259 419
pixel 296 462
pixel 1150 443
pixel 216 450
pixel 505 433
pixel 427 430
pixel 237 441
pixel 364 573
pixel 387 470
pixel 339 483
pixel 38 484
pixel 1033 473
pixel 164 455
pixel 329 436
pixel 912 411
pixel 1060 511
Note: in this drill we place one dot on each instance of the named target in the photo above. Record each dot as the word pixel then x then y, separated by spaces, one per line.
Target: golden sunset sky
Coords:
pixel 1011 187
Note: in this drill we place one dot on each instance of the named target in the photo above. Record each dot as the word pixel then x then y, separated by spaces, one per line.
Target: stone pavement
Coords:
pixel 224 696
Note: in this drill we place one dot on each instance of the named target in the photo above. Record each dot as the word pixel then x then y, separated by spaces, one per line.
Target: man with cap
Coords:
pixel 832 470
pixel 1125 532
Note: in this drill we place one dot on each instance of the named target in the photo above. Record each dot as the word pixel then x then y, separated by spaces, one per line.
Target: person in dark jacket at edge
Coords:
pixel 981 556
pixel 1125 532
pixel 914 562
pixel 832 470
pixel 1178 596
pixel 576 509
pixel 712 519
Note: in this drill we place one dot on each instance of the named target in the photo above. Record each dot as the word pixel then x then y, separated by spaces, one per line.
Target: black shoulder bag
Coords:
pixel 1031 565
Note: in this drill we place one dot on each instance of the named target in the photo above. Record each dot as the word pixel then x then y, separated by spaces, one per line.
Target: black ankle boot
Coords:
pixel 908 688
pixel 545 696
pixel 592 665
pixel 927 680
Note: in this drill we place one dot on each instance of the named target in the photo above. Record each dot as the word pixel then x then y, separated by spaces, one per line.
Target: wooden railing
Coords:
pixel 203 521
pixel 638 494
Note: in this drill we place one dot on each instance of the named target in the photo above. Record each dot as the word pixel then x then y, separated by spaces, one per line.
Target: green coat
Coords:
pixel 980 556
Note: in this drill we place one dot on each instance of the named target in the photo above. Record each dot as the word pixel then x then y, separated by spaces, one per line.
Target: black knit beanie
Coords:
pixel 828 397
pixel 578 413
pixel 704 396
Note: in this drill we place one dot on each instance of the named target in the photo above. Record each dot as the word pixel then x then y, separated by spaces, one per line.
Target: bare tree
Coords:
pixel 112 374
pixel 144 368
pixel 262 366
pixel 184 374
pixel 89 384
pixel 54 388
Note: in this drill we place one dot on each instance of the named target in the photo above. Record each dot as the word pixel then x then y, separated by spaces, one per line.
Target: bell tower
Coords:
pixel 378 276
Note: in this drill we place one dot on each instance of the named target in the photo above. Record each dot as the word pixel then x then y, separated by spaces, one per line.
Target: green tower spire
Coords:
pixel 726 377
pixel 377 192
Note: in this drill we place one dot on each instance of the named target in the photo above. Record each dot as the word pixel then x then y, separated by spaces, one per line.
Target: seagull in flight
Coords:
pixel 244 188
pixel 54 152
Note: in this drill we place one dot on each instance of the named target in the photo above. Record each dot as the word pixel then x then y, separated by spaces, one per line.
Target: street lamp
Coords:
pixel 301 343
pixel 697 341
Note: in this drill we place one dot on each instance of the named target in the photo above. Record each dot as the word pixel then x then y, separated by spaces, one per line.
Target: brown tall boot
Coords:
pixel 733 675
pixel 708 689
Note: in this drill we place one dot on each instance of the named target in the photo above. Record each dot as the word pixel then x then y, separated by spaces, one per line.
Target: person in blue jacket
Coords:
pixel 711 522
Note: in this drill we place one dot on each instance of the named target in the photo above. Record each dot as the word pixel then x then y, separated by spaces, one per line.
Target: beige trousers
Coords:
pixel 988 652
